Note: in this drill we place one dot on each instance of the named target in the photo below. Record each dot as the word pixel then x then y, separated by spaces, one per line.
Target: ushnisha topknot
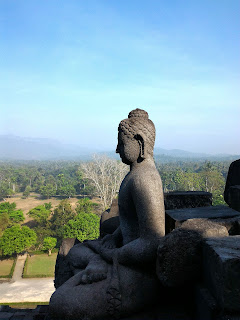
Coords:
pixel 138 123
pixel 138 113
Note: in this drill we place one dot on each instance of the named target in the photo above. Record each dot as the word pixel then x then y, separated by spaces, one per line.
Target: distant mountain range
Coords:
pixel 19 148
pixel 179 153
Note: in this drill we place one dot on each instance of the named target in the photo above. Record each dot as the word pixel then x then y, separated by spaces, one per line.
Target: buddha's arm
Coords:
pixel 148 200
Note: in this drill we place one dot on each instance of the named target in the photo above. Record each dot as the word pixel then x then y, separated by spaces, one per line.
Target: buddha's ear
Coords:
pixel 140 140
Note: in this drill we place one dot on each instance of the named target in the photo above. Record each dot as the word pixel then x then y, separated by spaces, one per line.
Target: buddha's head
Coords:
pixel 136 137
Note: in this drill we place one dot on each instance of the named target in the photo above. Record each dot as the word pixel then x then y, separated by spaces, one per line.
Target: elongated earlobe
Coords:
pixel 140 140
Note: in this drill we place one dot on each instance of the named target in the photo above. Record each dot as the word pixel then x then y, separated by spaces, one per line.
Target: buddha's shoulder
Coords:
pixel 146 175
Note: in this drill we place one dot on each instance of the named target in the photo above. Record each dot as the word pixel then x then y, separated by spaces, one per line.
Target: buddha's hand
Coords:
pixel 108 242
pixel 96 271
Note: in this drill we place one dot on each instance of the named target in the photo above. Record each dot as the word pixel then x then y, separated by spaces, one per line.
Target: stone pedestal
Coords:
pixel 174 218
pixel 205 305
pixel 110 219
pixel 221 269
pixel 231 224
pixel 187 199
pixel 62 273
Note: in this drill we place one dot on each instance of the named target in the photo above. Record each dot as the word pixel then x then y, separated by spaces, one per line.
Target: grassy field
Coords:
pixel 5 267
pixel 40 266
pixel 34 200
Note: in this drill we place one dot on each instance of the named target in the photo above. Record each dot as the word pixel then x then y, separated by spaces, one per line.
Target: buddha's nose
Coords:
pixel 117 149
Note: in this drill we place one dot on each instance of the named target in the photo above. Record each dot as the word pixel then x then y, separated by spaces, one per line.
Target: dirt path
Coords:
pixel 18 271
pixel 27 290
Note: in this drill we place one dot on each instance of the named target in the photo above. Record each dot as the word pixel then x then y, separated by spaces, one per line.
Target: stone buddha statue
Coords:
pixel 115 276
pixel 232 187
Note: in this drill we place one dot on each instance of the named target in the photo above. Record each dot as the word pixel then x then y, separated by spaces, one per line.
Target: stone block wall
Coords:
pixel 217 282
pixel 187 199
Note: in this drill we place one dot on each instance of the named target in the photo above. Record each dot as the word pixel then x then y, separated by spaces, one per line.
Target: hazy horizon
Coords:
pixel 72 71
pixel 88 150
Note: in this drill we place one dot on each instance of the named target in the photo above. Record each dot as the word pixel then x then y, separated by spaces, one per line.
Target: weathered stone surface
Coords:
pixel 176 312
pixel 187 199
pixel 172 200
pixel 228 317
pixel 205 227
pixel 117 272
pixel 238 226
pixel 179 257
pixel 174 218
pixel 112 212
pixel 232 187
pixel 234 197
pixel 232 225
pixel 66 245
pixel 179 252
pixel 205 305
pixel 161 312
pixel 221 264
pixel 39 313
pixel 109 226
pixel 110 219
pixel 62 270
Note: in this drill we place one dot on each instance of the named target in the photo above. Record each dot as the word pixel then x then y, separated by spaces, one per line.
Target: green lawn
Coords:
pixel 5 267
pixel 40 265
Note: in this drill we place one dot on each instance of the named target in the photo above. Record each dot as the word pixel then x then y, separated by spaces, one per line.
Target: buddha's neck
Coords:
pixel 147 161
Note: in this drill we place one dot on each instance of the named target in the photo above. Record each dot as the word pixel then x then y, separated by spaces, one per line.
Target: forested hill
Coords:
pixel 19 148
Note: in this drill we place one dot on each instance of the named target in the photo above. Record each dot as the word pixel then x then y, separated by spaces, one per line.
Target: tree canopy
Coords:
pixel 9 216
pixel 16 216
pixel 48 190
pixel 17 239
pixel 4 222
pixel 85 226
pixel 85 205
pixel 49 243
pixel 62 214
pixel 40 214
pixel 7 207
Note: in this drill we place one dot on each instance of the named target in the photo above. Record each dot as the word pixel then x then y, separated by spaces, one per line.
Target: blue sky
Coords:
pixel 71 70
